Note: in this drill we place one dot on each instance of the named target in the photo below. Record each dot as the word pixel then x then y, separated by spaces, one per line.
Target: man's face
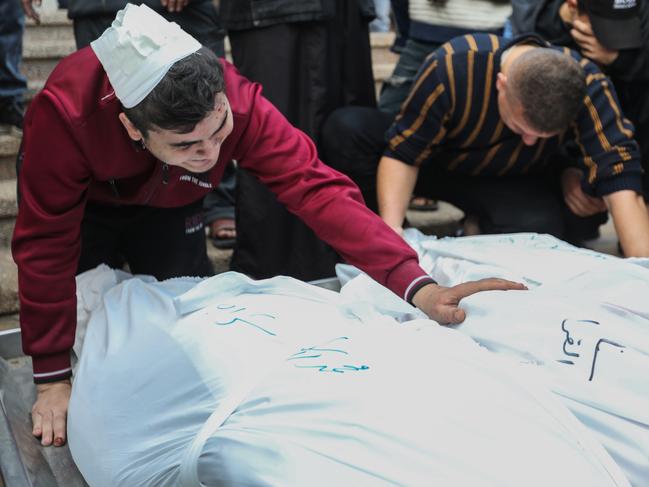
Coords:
pixel 511 113
pixel 198 150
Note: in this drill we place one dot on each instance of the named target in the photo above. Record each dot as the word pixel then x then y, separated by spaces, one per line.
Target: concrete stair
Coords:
pixel 8 150
pixel 44 45
pixel 8 210
pixel 8 272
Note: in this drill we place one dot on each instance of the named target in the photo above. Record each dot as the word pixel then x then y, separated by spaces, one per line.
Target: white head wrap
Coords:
pixel 138 49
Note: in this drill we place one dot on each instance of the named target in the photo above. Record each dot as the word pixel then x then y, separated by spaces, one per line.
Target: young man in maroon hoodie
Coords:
pixel 121 146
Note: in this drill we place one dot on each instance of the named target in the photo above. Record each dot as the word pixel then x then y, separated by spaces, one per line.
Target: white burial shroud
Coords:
pixel 584 324
pixel 230 382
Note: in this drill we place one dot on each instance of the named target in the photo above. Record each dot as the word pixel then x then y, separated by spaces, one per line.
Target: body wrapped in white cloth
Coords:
pixel 230 382
pixel 584 324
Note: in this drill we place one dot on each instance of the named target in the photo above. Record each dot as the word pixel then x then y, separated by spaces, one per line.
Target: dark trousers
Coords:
pixel 395 89
pixel 353 141
pixel 199 20
pixel 307 69
pixel 162 242
pixel 642 137
pixel 12 25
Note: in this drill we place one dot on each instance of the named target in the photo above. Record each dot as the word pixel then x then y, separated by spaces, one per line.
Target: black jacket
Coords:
pixel 84 8
pixel 249 14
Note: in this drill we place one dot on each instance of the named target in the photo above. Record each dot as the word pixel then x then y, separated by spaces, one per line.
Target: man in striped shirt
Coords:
pixel 492 128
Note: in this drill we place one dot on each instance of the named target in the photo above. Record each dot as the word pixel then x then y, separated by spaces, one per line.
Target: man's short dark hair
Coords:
pixel 183 97
pixel 550 86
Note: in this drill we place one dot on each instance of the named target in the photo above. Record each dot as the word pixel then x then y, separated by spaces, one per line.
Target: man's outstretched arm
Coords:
pixel 631 220
pixel 442 303
pixel 395 183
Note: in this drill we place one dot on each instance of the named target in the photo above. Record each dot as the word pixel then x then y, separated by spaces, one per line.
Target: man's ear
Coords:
pixel 133 132
pixel 501 82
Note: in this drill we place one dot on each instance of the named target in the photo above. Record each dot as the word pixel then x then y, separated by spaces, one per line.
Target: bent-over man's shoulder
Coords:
pixel 79 85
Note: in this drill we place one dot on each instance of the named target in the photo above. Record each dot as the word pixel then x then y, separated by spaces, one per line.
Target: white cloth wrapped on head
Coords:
pixel 138 49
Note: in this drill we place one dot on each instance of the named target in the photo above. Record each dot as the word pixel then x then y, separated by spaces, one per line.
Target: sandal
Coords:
pixel 419 203
pixel 223 233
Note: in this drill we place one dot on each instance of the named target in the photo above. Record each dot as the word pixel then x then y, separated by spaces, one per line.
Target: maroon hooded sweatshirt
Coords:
pixel 76 150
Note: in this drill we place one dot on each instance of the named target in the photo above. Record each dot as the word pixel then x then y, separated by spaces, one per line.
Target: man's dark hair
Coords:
pixel 183 97
pixel 550 86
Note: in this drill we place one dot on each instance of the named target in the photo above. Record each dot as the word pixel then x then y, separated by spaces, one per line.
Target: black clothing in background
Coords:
pixel 307 69
pixel 199 19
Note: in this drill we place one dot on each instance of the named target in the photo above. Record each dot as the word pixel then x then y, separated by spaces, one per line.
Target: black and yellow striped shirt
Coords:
pixel 451 117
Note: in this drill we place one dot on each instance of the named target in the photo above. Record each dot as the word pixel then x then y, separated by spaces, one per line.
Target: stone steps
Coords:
pixel 45 44
pixel 8 271
pixel 9 322
pixel 8 283
pixel 8 149
pixel 40 59
pixel 8 211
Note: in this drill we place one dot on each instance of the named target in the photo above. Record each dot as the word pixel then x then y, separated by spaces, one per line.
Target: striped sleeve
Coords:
pixel 610 155
pixel 420 124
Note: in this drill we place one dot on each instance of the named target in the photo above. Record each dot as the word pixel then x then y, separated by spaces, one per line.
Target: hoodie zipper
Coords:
pixel 152 191
pixel 165 173
pixel 154 188
pixel 113 186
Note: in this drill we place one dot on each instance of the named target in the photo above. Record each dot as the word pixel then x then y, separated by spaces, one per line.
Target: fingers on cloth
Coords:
pixel 489 284
pixel 59 421
pixel 46 428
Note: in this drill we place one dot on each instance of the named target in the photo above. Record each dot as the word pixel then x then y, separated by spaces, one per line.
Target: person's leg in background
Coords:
pixel 101 230
pixel 382 21
pixel 284 59
pixel 498 204
pixel 219 213
pixel 353 140
pixel 395 89
pixel 642 135
pixel 402 24
pixel 510 204
pixel 200 20
pixel 162 242
pixel 168 242
pixel 307 69
pixel 579 229
pixel 12 83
